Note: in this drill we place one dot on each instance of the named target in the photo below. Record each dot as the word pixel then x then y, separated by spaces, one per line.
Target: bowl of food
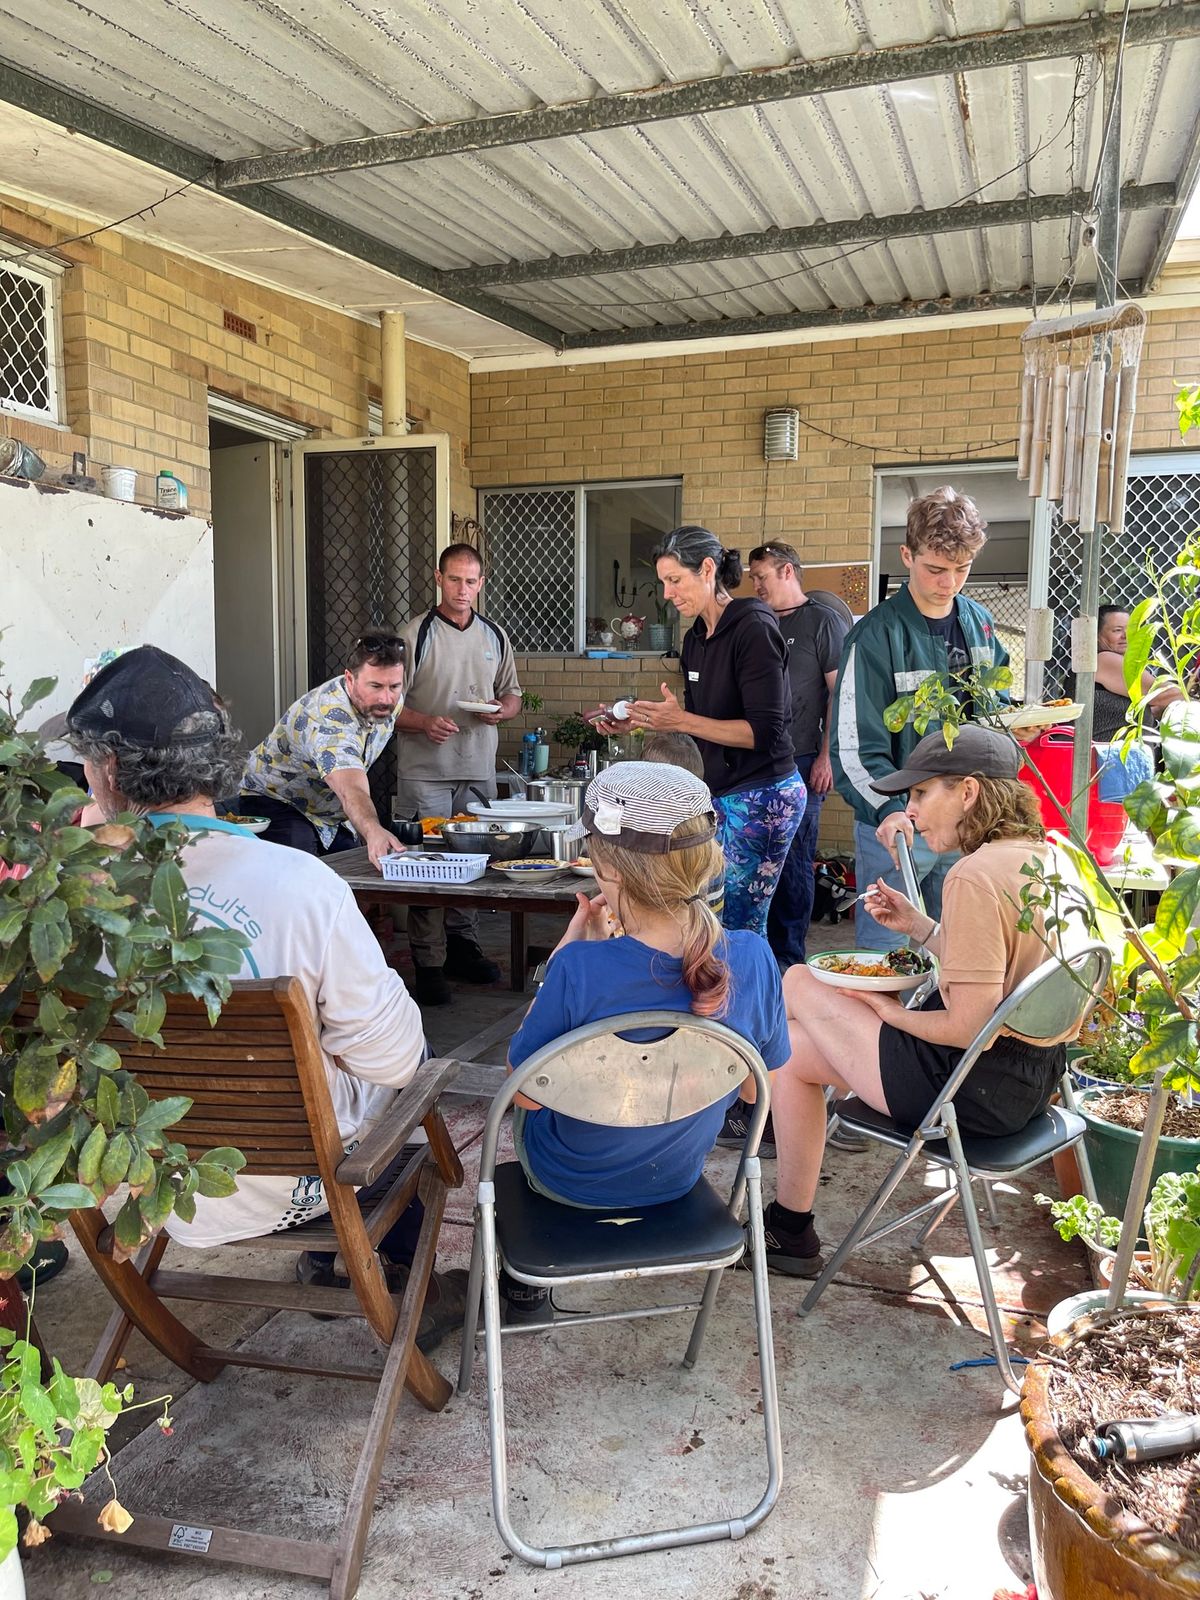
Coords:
pixel 582 867
pixel 884 971
pixel 503 840
pixel 251 824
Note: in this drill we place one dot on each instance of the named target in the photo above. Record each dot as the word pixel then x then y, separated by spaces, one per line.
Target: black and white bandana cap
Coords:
pixel 639 804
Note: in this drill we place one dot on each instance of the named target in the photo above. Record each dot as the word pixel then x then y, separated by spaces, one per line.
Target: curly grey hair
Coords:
pixel 154 777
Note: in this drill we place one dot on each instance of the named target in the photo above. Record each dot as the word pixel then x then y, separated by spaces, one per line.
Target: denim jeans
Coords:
pixel 791 907
pixel 872 861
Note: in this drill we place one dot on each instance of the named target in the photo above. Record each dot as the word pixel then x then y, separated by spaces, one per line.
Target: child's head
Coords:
pixel 945 523
pixel 675 750
pixel 652 831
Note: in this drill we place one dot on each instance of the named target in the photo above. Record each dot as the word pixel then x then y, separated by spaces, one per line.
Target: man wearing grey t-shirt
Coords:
pixel 462 683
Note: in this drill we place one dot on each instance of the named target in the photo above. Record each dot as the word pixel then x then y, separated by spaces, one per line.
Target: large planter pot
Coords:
pixel 1112 1151
pixel 659 636
pixel 1084 1545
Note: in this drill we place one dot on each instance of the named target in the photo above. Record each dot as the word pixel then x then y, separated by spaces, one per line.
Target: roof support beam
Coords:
pixel 972 53
pixel 815 236
pixel 94 121
pixel 833 317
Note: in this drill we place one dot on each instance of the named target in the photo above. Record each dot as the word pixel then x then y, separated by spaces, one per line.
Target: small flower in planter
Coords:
pixel 114 1518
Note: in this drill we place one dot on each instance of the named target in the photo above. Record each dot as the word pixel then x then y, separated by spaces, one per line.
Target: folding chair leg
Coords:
pixel 466 1365
pixel 938 1217
pixel 711 1284
pixel 983 1271
pixel 881 1197
pixel 989 1200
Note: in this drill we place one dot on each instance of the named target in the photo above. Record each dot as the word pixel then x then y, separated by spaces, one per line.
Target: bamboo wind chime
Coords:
pixel 1078 395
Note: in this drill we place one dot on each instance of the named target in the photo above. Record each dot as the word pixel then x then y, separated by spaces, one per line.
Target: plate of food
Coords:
pixel 431 827
pixel 532 867
pixel 1020 719
pixel 251 824
pixel 885 971
pixel 478 705
pixel 582 867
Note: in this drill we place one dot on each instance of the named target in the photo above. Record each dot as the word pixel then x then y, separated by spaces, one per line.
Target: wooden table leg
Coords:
pixel 516 950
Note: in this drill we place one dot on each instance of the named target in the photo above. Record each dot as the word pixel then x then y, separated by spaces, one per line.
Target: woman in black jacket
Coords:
pixel 737 706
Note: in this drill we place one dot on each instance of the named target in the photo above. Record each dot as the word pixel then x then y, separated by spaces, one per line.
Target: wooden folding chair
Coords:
pixel 257 1082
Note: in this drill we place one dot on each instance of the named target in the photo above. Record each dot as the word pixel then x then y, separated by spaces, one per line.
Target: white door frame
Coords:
pixel 297 572
pixel 281 433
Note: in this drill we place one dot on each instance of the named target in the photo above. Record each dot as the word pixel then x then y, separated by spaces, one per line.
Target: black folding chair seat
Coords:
pixel 540 1239
pixel 987 1158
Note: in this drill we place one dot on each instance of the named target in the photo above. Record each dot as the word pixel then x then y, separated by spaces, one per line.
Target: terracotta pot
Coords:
pixel 1086 1546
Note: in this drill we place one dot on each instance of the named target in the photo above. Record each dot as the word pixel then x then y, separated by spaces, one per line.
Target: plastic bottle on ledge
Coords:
pixel 541 755
pixel 170 491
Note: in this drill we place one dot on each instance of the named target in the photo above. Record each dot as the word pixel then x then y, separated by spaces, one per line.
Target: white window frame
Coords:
pixel 47 272
pixel 580 491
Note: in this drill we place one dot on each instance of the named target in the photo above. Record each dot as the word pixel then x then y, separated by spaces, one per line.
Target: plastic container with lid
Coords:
pixel 1052 754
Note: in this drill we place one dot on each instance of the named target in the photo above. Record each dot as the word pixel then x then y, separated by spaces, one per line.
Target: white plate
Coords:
pixel 538 867
pixel 580 870
pixel 251 824
pixel 478 705
pixel 1021 718
pixel 845 980
pixel 523 810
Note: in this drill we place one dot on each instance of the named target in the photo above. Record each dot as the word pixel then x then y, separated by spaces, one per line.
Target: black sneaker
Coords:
pixel 445 1299
pixel 840 1137
pixel 467 962
pixel 797 1255
pixel 524 1303
pixel 737 1123
pixel 431 987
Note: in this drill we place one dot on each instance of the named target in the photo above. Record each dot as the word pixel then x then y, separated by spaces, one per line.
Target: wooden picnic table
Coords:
pixel 493 892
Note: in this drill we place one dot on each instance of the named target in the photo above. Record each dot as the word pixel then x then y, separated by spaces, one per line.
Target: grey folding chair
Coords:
pixel 599 1074
pixel 1056 997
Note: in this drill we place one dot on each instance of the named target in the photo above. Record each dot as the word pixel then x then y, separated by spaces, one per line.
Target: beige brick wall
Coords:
pixel 144 341
pixel 945 392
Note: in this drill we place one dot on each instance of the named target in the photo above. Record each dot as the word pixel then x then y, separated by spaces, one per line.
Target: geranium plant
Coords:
pixel 1172 1229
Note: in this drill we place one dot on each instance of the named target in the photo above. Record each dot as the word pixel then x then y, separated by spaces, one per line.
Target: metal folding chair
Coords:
pixel 599 1074
pixel 1056 997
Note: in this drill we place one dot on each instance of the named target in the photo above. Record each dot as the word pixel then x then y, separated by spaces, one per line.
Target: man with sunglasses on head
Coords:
pixel 462 682
pixel 309 775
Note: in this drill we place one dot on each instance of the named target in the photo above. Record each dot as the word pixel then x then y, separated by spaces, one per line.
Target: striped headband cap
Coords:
pixel 639 804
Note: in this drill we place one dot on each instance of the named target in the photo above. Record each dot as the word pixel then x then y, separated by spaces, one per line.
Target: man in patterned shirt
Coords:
pixel 309 775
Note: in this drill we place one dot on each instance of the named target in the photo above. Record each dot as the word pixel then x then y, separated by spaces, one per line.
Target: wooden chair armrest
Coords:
pixel 369 1159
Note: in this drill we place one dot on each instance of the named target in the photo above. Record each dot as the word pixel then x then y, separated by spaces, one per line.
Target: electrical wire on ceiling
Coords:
pixel 104 227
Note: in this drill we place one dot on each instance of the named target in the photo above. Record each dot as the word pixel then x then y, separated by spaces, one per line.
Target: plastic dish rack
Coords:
pixel 413 867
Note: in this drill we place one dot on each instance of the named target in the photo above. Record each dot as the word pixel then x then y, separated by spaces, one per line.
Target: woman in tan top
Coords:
pixel 970 799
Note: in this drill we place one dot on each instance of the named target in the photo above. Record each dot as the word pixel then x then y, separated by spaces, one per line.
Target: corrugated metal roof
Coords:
pixel 240 78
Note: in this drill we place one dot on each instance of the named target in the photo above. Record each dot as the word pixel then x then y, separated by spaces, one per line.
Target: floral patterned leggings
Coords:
pixel 755 829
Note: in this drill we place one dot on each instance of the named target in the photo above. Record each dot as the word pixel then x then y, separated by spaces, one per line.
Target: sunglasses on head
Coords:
pixel 380 641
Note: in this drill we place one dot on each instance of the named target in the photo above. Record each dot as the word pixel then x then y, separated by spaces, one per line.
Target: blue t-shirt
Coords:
pixel 594 1165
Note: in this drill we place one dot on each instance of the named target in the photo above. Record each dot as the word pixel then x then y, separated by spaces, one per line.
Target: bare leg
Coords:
pixel 835 1039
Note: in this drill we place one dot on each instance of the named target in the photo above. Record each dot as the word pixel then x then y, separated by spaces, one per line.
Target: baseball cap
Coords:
pixel 976 753
pixel 146 698
pixel 639 804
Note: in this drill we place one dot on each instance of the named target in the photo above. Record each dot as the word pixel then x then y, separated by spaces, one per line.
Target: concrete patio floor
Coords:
pixel 903 1479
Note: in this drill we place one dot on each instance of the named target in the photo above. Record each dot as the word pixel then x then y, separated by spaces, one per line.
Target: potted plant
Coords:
pixel 660 634
pixel 577 734
pixel 96 929
pixel 1170 1265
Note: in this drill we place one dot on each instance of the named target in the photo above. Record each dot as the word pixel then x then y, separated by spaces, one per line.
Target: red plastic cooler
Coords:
pixel 1053 753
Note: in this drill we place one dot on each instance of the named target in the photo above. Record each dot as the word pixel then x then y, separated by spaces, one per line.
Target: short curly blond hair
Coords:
pixel 945 522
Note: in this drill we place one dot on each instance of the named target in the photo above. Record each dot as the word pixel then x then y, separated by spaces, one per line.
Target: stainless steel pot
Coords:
pixel 560 791
pixel 503 841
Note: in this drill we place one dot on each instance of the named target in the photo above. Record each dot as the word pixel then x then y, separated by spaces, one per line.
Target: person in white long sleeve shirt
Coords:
pixel 154 739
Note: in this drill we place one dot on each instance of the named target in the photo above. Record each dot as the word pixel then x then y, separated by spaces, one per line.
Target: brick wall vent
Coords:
pixel 241 326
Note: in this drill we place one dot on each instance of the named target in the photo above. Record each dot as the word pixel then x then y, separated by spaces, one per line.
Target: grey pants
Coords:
pixel 428 927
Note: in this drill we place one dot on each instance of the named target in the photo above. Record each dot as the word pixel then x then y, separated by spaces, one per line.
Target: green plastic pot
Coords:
pixel 1112 1151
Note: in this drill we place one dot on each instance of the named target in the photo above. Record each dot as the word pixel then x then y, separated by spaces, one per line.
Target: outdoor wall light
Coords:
pixel 781 435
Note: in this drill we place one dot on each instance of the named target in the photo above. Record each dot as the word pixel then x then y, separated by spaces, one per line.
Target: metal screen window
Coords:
pixel 371 544
pixel 531 543
pixel 1162 509
pixel 27 343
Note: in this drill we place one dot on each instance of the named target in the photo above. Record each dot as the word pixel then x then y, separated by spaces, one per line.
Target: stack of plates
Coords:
pixel 547 812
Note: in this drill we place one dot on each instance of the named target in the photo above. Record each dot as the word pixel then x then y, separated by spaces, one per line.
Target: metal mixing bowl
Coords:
pixel 503 841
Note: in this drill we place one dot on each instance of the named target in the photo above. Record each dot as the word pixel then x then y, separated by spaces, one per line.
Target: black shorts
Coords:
pixel 1007 1087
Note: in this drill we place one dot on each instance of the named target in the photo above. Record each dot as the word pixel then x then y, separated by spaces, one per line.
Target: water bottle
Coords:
pixel 528 761
pixel 541 755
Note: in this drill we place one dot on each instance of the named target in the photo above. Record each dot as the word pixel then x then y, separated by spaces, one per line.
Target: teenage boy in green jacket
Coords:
pixel 925 627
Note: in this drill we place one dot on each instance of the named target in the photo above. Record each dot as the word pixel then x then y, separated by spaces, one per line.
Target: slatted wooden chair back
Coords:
pixel 256 1079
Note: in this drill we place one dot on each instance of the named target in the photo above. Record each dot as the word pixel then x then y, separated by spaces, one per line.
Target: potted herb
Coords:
pixel 577 734
pixel 96 929
pixel 1170 1265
